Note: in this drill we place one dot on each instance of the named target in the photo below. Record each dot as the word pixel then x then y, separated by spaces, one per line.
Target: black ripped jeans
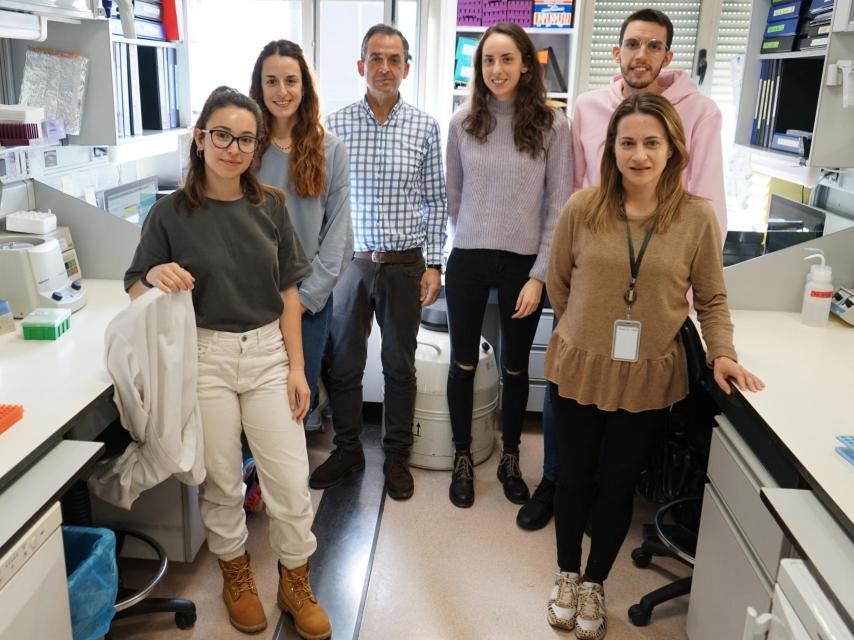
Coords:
pixel 469 276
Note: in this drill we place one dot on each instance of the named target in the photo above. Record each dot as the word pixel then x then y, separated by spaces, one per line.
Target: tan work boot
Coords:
pixel 241 597
pixel 296 598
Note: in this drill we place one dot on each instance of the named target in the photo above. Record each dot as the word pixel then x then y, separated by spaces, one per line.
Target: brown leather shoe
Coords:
pixel 297 598
pixel 399 482
pixel 241 597
pixel 338 466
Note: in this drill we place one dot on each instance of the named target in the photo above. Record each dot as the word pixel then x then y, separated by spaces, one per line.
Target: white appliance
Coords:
pixel 32 574
pixel 33 274
pixel 799 610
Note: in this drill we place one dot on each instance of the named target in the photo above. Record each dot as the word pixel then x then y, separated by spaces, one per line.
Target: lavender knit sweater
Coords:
pixel 501 198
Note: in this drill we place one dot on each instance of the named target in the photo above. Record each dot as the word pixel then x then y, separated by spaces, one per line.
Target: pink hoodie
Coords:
pixel 701 120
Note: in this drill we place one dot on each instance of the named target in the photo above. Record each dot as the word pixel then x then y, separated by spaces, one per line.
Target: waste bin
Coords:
pixel 93 579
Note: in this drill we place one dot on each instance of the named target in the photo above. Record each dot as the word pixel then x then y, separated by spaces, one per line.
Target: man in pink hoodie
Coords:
pixel 643 53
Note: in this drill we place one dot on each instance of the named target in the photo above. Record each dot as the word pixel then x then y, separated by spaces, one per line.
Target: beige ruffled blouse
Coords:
pixel 588 275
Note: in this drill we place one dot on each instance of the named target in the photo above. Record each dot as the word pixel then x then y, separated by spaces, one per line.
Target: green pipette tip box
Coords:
pixel 46 324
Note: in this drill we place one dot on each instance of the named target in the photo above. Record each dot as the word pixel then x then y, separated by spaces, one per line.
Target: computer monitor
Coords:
pixel 791 223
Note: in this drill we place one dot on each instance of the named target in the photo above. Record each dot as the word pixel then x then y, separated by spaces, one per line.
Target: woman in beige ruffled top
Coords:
pixel 623 258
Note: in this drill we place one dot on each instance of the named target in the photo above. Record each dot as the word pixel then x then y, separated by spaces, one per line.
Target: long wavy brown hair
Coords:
pixel 194 192
pixel 607 203
pixel 307 174
pixel 532 118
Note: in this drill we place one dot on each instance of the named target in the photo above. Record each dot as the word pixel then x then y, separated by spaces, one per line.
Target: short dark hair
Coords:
pixel 649 15
pixel 386 30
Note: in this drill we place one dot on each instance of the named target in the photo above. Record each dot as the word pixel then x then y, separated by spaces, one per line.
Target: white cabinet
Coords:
pixel 739 545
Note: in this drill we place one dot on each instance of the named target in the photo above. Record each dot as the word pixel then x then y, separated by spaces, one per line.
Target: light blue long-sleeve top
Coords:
pixel 323 224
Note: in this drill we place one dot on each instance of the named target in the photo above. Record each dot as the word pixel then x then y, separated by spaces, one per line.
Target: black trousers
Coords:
pixel 617 444
pixel 469 276
pixel 391 291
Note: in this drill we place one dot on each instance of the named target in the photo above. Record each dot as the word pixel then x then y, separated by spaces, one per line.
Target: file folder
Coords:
pixel 778 45
pixel 798 145
pixel 785 11
pixel 782 28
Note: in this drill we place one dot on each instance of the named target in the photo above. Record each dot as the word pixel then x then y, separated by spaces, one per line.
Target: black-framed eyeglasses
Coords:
pixel 222 139
pixel 653 45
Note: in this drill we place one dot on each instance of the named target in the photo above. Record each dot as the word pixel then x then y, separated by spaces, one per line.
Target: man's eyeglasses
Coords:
pixel 222 140
pixel 653 45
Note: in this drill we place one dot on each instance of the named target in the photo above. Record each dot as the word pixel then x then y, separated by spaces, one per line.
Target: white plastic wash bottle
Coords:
pixel 817 292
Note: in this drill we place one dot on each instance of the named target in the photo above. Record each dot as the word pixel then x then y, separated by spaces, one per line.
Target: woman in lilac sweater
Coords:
pixel 508 176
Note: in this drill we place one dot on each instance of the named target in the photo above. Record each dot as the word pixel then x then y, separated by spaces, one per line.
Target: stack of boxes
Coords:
pixel 525 13
pixel 797 26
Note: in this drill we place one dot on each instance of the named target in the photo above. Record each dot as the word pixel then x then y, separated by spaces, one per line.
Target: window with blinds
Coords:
pixel 608 16
pixel 732 42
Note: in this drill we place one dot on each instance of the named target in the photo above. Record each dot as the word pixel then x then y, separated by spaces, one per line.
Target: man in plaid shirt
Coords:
pixel 399 208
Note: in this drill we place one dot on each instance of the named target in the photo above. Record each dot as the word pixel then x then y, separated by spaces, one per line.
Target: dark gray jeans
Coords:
pixel 390 291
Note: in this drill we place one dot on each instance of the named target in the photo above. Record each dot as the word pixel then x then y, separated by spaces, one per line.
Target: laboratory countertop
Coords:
pixel 808 399
pixel 55 379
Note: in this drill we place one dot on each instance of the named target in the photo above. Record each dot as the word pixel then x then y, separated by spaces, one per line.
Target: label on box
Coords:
pixel 553 15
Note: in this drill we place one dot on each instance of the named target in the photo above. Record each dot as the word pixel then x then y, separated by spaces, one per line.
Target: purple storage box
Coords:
pixel 493 11
pixel 520 12
pixel 469 13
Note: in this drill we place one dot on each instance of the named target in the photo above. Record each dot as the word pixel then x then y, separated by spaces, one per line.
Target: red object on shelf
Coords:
pixel 170 20
pixel 9 415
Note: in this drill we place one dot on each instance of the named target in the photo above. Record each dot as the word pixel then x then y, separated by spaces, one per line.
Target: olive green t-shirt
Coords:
pixel 241 256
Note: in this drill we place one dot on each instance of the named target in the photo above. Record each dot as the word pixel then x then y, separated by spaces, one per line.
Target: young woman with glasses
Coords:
pixel 508 175
pixel 310 165
pixel 229 240
pixel 623 257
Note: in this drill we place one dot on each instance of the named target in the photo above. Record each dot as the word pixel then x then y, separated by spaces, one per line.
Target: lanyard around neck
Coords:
pixel 630 296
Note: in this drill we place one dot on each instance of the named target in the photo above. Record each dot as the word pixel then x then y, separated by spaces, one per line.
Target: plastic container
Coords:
pixel 46 324
pixel 7 322
pixel 93 579
pixel 818 291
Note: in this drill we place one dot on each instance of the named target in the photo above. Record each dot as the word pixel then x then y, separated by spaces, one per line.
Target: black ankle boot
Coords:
pixel 515 489
pixel 461 491
pixel 539 509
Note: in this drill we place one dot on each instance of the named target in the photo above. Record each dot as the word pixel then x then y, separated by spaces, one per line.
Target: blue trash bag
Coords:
pixel 93 579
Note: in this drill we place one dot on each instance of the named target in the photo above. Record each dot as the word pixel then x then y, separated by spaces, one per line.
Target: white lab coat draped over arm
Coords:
pixel 150 353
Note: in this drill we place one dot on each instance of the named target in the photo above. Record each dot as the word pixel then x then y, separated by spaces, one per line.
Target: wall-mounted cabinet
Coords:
pixel 105 119
pixel 801 96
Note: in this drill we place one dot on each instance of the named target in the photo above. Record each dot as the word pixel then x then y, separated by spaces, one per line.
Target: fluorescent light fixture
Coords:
pixel 22 26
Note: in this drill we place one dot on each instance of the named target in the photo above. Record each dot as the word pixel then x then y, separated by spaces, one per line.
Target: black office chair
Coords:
pixel 678 477
pixel 77 510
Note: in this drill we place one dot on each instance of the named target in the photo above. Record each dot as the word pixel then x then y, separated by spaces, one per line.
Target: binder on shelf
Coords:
pixel 148 10
pixel 553 76
pixel 463 67
pixel 809 44
pixel 145 29
pixel 154 88
pixel 779 44
pixel 126 89
pixel 172 80
pixel 782 28
pixel 777 12
pixel 135 97
pixel 117 86
pixel 787 143
pixel 820 6
pixel 173 20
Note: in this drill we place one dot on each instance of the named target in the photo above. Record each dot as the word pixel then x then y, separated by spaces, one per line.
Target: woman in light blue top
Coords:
pixel 311 166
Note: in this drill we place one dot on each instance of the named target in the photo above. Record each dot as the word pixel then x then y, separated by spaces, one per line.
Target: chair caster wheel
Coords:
pixel 185 620
pixel 639 615
pixel 641 558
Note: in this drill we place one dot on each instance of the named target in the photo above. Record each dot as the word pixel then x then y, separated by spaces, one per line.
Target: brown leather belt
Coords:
pixel 390 257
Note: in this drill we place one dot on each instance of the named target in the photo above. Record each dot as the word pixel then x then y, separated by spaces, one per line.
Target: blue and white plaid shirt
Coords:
pixel 397 186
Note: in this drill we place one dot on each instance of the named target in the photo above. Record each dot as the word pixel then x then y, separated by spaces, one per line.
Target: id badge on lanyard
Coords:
pixel 625 344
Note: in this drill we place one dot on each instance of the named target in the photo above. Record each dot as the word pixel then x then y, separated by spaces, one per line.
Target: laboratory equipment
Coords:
pixel 33 274
pixel 7 322
pixel 31 221
pixel 432 441
pixel 817 292
pixel 842 304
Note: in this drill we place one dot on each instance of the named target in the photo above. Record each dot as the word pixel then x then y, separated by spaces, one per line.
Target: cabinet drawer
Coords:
pixel 544 328
pixel 738 477
pixel 536 362
pixel 727 578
